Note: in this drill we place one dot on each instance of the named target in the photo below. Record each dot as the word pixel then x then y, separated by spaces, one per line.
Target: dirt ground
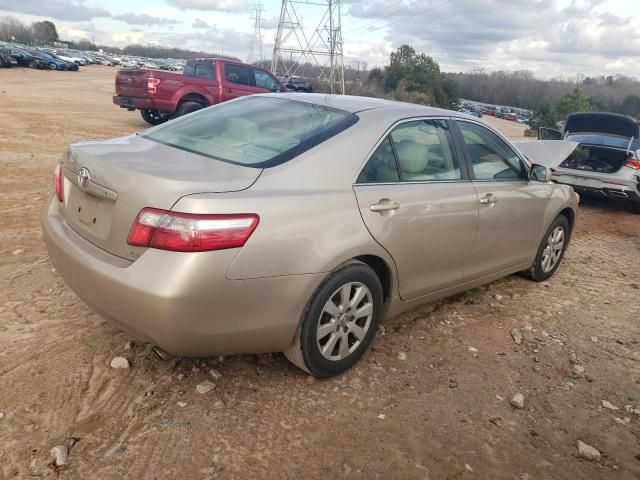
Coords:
pixel 442 413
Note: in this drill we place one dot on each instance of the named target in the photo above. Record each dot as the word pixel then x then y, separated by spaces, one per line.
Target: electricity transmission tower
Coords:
pixel 317 51
pixel 255 52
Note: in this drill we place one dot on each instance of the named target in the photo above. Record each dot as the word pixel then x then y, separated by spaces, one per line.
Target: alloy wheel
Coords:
pixel 344 321
pixel 553 250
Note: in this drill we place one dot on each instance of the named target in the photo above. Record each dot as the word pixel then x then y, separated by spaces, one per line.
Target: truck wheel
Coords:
pixel 188 107
pixel 154 117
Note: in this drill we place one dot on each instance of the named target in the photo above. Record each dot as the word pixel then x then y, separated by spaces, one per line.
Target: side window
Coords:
pixel 189 69
pixel 205 70
pixel 266 81
pixel 381 167
pixel 425 151
pixel 238 74
pixel 491 157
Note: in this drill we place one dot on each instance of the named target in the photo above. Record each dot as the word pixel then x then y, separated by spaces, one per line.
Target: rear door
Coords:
pixel 511 207
pixel 419 205
pixel 238 81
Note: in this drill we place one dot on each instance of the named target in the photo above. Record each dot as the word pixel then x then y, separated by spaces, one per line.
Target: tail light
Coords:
pixel 633 163
pixel 152 85
pixel 187 232
pixel 58 181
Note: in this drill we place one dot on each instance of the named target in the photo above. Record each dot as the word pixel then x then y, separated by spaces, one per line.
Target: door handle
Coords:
pixel 489 198
pixel 384 205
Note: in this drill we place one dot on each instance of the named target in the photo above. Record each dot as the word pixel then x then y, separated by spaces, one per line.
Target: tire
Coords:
pixel 550 253
pixel 52 66
pixel 344 336
pixel 154 117
pixel 187 107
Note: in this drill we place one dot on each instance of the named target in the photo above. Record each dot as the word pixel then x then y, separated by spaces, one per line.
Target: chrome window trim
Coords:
pixel 420 182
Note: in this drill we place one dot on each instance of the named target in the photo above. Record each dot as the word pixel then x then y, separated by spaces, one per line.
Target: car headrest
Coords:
pixel 412 156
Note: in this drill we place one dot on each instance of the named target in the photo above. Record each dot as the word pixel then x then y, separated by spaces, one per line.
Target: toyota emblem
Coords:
pixel 84 177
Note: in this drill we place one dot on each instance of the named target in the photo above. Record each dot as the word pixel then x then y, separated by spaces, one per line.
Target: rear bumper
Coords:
pixel 140 103
pixel 595 186
pixel 181 302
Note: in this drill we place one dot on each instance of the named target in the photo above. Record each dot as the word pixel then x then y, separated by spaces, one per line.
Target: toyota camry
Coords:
pixel 295 224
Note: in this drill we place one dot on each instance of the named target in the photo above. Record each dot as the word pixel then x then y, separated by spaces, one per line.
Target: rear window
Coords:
pixel 254 131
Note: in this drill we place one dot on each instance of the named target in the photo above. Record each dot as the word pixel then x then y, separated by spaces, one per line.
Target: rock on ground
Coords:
pixel 587 451
pixel 60 455
pixel 119 362
pixel 205 387
pixel 609 406
pixel 518 401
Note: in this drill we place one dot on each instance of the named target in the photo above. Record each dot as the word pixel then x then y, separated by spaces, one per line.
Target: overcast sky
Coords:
pixel 552 38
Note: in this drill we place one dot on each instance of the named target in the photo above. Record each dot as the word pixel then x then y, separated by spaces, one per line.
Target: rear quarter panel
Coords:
pixel 309 217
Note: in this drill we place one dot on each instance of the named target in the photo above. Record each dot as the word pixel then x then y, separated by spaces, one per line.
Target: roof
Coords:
pixel 355 104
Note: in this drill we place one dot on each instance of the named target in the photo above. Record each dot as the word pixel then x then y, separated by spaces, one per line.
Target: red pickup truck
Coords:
pixel 161 95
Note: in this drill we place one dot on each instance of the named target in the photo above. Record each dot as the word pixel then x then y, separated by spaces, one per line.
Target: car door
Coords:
pixel 511 206
pixel 419 205
pixel 238 81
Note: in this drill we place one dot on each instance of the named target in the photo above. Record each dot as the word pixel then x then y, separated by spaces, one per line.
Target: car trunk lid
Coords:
pixel 107 183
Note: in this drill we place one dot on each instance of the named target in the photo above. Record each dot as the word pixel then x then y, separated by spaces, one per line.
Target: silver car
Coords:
pixel 606 160
pixel 295 224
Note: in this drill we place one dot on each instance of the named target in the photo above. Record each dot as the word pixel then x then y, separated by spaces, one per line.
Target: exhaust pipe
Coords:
pixel 161 354
pixel 617 194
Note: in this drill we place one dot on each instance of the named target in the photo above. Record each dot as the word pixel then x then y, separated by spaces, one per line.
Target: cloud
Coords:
pixel 198 23
pixel 144 19
pixel 231 6
pixel 539 35
pixel 59 9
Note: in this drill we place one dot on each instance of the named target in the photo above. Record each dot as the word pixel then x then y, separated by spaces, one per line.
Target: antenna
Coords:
pixel 255 52
pixel 317 51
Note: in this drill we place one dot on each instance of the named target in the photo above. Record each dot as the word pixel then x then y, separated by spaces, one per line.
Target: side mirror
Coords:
pixel 549 134
pixel 540 173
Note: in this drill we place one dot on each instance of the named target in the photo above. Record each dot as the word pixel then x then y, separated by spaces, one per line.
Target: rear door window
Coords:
pixel 190 69
pixel 425 151
pixel 239 74
pixel 205 70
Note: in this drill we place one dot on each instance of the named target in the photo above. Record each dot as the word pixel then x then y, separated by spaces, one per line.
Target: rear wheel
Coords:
pixel 155 117
pixel 188 107
pixel 339 322
pixel 551 250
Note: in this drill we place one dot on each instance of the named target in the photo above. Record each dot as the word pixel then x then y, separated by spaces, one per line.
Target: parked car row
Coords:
pixel 56 58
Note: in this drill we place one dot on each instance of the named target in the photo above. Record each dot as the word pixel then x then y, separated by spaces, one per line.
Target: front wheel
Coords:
pixel 155 117
pixel 551 250
pixel 339 322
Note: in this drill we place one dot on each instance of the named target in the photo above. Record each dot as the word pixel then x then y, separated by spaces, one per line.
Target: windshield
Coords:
pixel 254 131
pixel 604 140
